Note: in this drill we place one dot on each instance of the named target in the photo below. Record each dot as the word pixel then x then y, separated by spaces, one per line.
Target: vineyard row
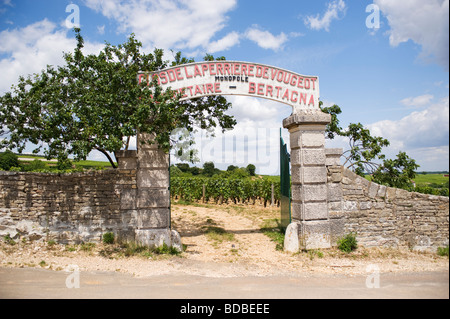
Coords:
pixel 225 190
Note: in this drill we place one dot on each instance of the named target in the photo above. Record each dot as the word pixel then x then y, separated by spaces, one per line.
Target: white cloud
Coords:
pixel 30 49
pixel 421 133
pixel 424 22
pixel 228 41
pixel 255 109
pixel 265 39
pixel 182 24
pixel 418 101
pixel 335 10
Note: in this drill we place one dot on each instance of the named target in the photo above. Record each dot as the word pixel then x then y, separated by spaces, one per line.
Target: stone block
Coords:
pixel 309 192
pixel 314 192
pixel 153 178
pixel 128 199
pixel 153 158
pixel 158 237
pixel 306 117
pixel 308 157
pixel 314 211
pixel 313 139
pixel 151 218
pixel 334 206
pixel 153 198
pixel 314 174
pixel 129 163
pixel 350 206
pixel 334 192
pixel 314 234
pixel 333 156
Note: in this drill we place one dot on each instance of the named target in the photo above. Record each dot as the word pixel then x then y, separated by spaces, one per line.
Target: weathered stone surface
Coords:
pixel 153 198
pixel 155 178
pixel 333 156
pixel 291 240
pixel 314 234
pixel 158 238
pixel 314 211
pixel 385 216
pixel 152 218
pixel 153 158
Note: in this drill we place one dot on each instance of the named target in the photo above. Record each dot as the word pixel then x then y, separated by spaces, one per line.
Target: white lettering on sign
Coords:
pixel 239 78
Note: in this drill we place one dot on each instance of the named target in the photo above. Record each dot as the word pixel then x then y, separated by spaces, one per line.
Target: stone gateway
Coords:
pixel 133 201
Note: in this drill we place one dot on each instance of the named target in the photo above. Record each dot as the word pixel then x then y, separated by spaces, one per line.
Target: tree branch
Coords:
pixel 107 155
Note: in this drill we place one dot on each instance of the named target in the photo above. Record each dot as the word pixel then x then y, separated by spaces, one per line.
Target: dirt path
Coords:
pixel 222 241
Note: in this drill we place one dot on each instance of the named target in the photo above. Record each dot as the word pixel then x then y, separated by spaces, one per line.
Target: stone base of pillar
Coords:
pixel 158 237
pixel 307 235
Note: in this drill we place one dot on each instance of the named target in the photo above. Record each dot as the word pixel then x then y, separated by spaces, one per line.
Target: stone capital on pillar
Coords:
pixel 306 118
pixel 309 179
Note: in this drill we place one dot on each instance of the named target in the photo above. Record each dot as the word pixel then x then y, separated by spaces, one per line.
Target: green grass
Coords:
pixel 271 228
pixel 427 179
pixel 218 234
pixel 442 251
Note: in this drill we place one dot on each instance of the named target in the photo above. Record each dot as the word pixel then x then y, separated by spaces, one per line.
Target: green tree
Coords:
pixel 8 159
pixel 364 149
pixel 251 169
pixel 231 168
pixel 184 167
pixel 94 102
pixel 365 153
pixel 208 169
pixel 398 172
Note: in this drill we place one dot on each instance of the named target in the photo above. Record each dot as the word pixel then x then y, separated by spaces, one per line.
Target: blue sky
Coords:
pixel 391 76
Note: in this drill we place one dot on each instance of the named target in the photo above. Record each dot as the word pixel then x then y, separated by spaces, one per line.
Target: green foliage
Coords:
pixel 218 234
pixel 442 251
pixel 347 243
pixel 108 238
pixel 94 102
pixel 8 160
pixel 365 150
pixel 7 238
pixel 396 173
pixel 208 169
pixel 35 166
pixel 223 190
pixel 251 169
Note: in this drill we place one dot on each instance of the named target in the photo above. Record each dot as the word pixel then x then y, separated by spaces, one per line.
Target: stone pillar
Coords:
pixel 309 211
pixel 151 215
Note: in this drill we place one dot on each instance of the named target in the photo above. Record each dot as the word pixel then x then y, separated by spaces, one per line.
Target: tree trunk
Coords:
pixel 107 156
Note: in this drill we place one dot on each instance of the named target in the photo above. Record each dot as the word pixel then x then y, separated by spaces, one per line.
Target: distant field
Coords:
pixel 26 158
pixel 426 179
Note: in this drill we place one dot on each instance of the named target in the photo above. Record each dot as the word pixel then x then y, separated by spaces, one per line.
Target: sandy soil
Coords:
pixel 241 250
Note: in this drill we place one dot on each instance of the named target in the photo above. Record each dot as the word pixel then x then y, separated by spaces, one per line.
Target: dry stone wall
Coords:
pixel 134 205
pixel 67 208
pixel 385 216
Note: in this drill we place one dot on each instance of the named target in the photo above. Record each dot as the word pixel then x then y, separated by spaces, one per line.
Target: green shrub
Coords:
pixel 108 238
pixel 7 160
pixel 35 166
pixel 347 243
pixel 442 251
